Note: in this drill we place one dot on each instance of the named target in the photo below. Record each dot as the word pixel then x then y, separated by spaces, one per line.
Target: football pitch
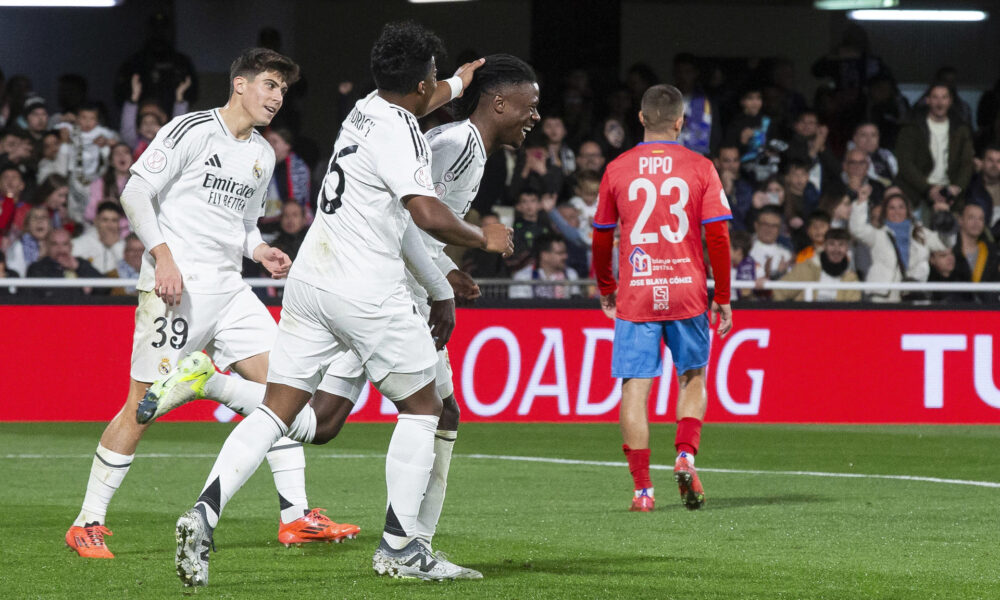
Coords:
pixel 792 512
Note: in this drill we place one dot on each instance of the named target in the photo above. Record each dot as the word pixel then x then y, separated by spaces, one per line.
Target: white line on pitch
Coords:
pixel 570 461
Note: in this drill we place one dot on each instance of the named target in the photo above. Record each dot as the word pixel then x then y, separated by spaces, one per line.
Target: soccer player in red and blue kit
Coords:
pixel 662 194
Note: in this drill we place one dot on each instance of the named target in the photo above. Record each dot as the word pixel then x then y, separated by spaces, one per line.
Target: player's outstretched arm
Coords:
pixel 445 93
pixel 431 215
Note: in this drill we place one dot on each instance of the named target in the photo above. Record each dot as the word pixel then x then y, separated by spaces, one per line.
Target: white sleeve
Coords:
pixel 859 225
pixel 405 166
pixel 252 214
pixel 445 264
pixel 420 265
pixel 170 151
pixel 137 201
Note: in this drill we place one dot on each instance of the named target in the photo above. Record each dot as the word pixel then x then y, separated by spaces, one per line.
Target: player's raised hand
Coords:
pixel 442 321
pixel 463 284
pixel 465 72
pixel 609 305
pixel 725 314
pixel 275 261
pixel 499 239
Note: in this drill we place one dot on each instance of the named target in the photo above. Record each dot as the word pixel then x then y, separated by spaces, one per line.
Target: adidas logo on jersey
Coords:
pixel 214 162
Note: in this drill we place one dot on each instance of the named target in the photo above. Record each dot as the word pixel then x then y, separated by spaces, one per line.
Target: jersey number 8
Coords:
pixel 637 236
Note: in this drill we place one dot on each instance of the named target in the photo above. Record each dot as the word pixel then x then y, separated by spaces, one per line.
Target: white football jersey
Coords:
pixel 208 183
pixel 458 160
pixel 354 246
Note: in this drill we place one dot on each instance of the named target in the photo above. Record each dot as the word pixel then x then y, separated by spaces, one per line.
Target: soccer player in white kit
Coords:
pixel 346 295
pixel 193 200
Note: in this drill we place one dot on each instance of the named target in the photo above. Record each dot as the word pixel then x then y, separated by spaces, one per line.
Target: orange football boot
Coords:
pixel 642 503
pixel 314 526
pixel 692 494
pixel 88 541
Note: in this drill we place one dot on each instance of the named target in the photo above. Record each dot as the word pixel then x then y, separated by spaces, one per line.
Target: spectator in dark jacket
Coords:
pixel 984 189
pixel 60 262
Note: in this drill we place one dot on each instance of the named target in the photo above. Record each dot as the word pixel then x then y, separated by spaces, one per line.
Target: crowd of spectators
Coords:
pixel 852 183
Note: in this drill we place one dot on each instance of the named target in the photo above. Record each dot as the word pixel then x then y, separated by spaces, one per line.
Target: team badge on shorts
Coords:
pixel 164 367
pixel 661 297
pixel 257 171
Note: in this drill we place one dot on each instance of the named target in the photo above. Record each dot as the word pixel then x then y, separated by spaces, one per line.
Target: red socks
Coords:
pixel 638 465
pixel 688 435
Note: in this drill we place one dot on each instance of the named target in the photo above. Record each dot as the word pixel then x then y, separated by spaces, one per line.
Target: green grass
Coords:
pixel 536 530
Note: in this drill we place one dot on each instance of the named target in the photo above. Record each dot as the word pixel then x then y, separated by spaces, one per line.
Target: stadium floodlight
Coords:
pixel 853 4
pixel 60 3
pixel 966 16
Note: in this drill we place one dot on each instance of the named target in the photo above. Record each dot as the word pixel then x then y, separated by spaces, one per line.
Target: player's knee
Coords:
pixel 450 413
pixel 326 432
pixel 684 378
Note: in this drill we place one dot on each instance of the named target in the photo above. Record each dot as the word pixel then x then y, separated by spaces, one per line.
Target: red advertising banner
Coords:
pixel 70 363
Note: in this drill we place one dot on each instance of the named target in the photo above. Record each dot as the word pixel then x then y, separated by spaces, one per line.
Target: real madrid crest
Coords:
pixel 165 366
pixel 257 171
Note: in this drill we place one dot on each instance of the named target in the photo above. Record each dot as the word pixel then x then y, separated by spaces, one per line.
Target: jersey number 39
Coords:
pixel 642 184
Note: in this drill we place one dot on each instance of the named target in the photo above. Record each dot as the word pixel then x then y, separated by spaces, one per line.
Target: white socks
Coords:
pixel 241 395
pixel 106 475
pixel 430 508
pixel 408 463
pixel 240 456
pixel 288 464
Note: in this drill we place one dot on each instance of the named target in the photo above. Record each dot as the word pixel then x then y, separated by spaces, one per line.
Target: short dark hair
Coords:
pixel 662 104
pixel 403 55
pixel 991 147
pixel 254 61
pixel 769 210
pixel 112 206
pixel 795 163
pixel 527 191
pixel 89 107
pixel 132 236
pixel 838 233
pixel 741 240
pixel 818 216
pixel 544 242
pixel 498 72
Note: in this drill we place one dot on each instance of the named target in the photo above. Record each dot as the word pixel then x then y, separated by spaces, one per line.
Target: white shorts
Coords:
pixel 320 328
pixel 341 378
pixel 229 327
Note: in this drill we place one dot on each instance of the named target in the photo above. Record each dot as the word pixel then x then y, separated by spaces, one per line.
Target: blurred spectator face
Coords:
pixel 939 101
pixel 866 138
pixel 528 206
pixel 281 148
pixel 590 157
pixel 38 119
pixel 843 209
pixel 797 179
pixel 614 132
pixel 553 259
pixel 856 163
pixel 570 214
pixel 121 158
pixel 776 192
pixel 728 161
pixel 973 221
pixel 133 253
pixel 767 227
pixel 835 250
pixel 735 255
pixel 58 199
pixel 751 103
pixel 293 219
pixel 15 148
pixel 554 130
pixel 895 210
pixel 943 261
pixel 107 223
pixel 587 191
pixel 86 120
pixel 11 183
pixel 58 246
pixel 991 165
pixel 149 126
pixel 37 223
pixel 806 125
pixel 50 146
pixel 817 232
